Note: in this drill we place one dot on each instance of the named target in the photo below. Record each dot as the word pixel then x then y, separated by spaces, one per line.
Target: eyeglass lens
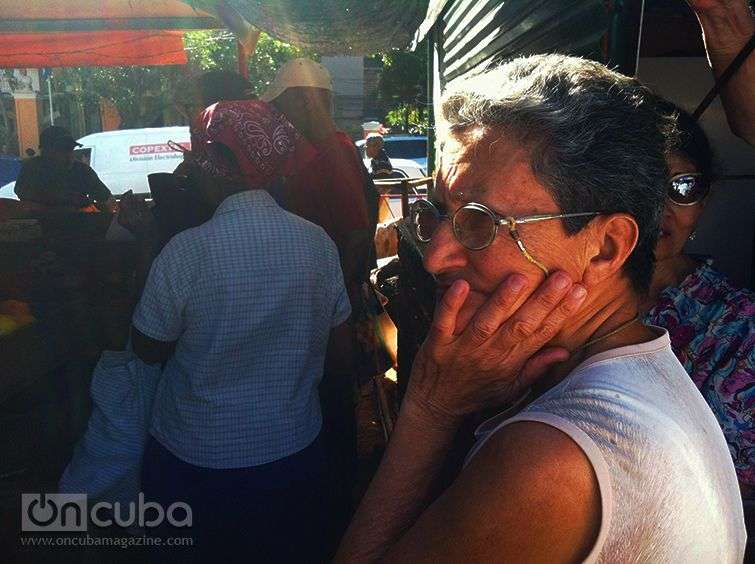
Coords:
pixel 686 189
pixel 474 228
pixel 426 218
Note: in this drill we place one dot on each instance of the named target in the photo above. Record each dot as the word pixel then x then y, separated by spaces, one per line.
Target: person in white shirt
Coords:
pixel 540 234
pixel 242 311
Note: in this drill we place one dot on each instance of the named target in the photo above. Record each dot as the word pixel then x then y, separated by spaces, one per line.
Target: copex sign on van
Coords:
pixel 156 151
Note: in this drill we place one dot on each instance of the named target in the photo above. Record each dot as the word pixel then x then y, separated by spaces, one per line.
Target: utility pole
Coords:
pixel 49 93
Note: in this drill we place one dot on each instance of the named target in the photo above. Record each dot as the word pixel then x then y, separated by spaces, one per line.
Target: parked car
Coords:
pixel 123 158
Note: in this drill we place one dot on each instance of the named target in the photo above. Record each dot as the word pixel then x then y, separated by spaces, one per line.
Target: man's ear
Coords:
pixel 614 238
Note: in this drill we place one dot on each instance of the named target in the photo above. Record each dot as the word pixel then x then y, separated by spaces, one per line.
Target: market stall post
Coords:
pixel 27 119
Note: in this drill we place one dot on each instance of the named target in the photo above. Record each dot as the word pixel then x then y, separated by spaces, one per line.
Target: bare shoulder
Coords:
pixel 529 495
pixel 540 447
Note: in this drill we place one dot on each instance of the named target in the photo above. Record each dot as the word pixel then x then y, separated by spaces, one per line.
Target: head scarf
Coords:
pixel 263 143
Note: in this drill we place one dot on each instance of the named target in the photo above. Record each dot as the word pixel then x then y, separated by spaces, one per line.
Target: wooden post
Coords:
pixel 27 121
pixel 243 59
pixel 404 198
pixel 246 47
pixel 110 117
pixel 246 34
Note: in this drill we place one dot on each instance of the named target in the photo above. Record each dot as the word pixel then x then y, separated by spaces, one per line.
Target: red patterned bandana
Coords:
pixel 263 143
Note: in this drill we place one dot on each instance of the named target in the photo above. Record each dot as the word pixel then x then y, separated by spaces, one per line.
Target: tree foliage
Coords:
pixel 403 89
pixel 409 118
pixel 165 95
pixel 210 50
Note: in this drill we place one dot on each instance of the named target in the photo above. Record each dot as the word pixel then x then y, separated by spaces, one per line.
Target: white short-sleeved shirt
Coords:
pixel 668 488
pixel 250 298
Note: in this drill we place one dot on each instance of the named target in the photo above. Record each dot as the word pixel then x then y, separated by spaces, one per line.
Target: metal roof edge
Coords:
pixel 434 10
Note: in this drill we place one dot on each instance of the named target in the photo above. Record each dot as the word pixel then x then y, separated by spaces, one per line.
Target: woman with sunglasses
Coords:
pixel 710 321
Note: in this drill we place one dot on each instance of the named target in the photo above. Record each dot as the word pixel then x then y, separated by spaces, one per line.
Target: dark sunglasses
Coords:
pixel 687 189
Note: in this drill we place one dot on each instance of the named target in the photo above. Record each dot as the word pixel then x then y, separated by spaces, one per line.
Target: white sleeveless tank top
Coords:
pixel 668 488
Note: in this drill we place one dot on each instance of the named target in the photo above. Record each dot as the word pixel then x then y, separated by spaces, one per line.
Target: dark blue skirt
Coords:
pixel 274 512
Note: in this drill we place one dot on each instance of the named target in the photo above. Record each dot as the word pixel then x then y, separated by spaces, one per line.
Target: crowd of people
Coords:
pixel 618 370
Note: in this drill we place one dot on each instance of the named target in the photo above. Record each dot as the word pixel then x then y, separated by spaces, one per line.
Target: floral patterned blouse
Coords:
pixel 712 328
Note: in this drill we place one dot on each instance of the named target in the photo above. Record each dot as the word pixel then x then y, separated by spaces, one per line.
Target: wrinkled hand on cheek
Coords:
pixel 474 301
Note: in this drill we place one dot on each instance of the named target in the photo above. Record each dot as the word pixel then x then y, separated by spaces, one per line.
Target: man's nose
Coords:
pixel 444 253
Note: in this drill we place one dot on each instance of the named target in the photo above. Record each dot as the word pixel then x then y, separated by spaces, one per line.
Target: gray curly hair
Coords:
pixel 595 137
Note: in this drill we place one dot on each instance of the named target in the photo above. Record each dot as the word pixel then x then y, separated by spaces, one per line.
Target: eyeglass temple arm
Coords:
pixel 511 222
pixel 543 217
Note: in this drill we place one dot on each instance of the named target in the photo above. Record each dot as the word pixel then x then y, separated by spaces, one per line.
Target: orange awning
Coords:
pixel 47 16
pixel 92 49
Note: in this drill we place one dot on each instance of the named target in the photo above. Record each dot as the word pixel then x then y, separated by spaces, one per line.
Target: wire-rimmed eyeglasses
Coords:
pixel 475 225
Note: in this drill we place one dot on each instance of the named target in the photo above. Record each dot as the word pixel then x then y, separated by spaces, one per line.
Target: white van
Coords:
pixel 123 158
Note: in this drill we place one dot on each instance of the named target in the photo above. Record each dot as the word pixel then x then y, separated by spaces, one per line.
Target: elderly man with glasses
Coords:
pixel 540 234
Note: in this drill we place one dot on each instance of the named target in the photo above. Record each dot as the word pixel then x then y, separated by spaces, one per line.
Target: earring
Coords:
pixel 692 236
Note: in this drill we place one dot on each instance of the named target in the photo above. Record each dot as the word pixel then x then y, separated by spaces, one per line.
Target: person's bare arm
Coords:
pixel 492 361
pixel 400 489
pixel 529 495
pixel 158 320
pixel 727 26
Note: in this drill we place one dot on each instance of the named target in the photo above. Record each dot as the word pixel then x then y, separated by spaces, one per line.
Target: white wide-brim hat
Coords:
pixel 298 73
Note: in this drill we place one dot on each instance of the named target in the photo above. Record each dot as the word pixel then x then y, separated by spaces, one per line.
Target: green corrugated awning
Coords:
pixel 471 33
